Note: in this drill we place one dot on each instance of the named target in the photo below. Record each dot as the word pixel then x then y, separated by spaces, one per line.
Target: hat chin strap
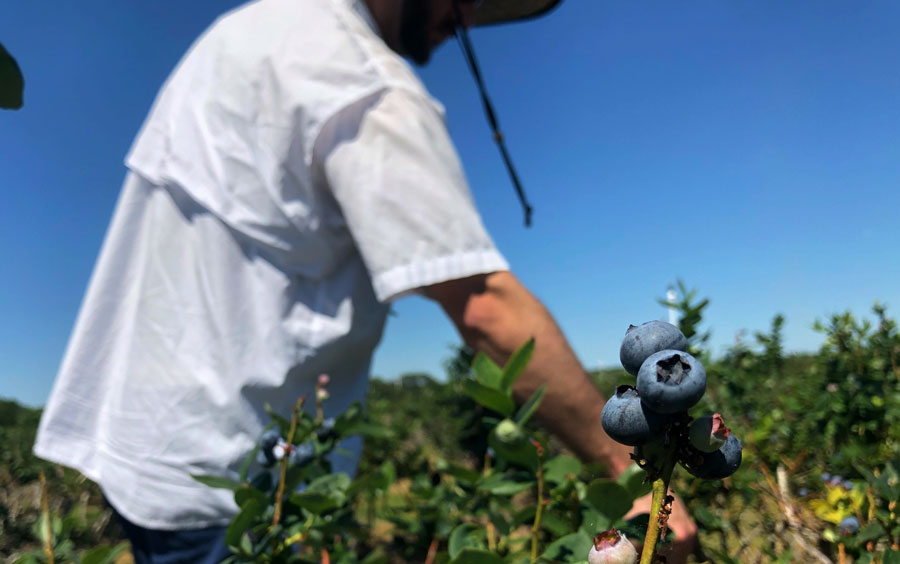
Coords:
pixel 462 36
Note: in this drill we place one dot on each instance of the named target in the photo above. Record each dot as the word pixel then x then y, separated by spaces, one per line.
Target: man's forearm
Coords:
pixel 502 318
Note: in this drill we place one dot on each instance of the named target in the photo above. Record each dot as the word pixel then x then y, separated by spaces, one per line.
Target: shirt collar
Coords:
pixel 360 7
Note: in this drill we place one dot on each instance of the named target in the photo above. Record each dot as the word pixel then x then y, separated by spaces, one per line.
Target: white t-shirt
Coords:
pixel 293 177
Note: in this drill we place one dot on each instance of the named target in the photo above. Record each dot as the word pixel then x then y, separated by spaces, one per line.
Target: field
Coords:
pixel 821 437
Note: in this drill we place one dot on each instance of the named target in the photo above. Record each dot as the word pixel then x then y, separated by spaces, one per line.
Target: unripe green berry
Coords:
pixel 509 432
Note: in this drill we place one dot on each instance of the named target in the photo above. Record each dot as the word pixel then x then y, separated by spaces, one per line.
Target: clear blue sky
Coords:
pixel 751 148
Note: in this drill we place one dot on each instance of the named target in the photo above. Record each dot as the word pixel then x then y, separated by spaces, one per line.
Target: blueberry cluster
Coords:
pixel 273 447
pixel 669 381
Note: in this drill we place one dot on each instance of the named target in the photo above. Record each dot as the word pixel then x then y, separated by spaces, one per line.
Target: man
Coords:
pixel 292 179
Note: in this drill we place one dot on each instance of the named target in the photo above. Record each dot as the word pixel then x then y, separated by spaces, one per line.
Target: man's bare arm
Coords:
pixel 496 314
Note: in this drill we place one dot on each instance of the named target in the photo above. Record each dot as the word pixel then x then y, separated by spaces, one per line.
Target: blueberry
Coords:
pixel 803 492
pixel 627 420
pixel 267 443
pixel 825 476
pixel 646 339
pixel 508 432
pixel 671 381
pixel 302 455
pixel 708 433
pixel 715 465
pixel 326 431
pixel 849 525
pixel 848 485
pixel 611 547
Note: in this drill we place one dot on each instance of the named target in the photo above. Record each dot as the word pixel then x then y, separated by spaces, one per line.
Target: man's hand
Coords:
pixel 680 523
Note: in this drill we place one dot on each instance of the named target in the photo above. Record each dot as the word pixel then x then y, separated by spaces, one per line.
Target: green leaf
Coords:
pixel 571 547
pixel 284 425
pixel 880 483
pixel 330 483
pixel 522 452
pixel 463 475
pixel 497 484
pixel 318 502
pixel 250 458
pixel 103 554
pixel 246 544
pixel 529 407
pixel 40 529
pixel 592 521
pixel 218 482
pixel 890 557
pixel 609 498
pixel 12 84
pixel 487 373
pixel 516 365
pixel 636 527
pixel 870 532
pixel 633 479
pixel 243 521
pixel 489 397
pixel 476 556
pixel 556 523
pixel 557 470
pixel 245 493
pixel 710 520
pixel 466 535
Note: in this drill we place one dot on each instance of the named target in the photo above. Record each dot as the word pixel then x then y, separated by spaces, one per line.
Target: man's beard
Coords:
pixel 414 30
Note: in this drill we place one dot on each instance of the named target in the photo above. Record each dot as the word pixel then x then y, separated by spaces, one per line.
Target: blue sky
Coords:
pixel 751 148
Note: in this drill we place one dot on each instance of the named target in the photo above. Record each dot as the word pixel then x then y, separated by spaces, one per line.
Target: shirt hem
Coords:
pixel 83 456
pixel 407 279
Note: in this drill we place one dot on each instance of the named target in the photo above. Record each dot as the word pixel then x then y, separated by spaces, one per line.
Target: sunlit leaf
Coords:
pixel 516 365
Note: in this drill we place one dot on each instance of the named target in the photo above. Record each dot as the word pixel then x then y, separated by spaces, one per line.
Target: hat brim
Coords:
pixel 502 11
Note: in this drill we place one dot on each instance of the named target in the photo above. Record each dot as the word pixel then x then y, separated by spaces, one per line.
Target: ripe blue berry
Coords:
pixel 849 525
pixel 715 465
pixel 627 420
pixel 267 443
pixel 671 381
pixel 708 433
pixel 326 431
pixel 301 455
pixel 643 340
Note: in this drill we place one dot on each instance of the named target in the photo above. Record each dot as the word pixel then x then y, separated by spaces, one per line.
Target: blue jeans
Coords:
pixel 188 546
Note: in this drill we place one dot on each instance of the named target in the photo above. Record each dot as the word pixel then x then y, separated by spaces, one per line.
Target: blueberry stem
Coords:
pixel 540 502
pixel 660 490
pixel 279 497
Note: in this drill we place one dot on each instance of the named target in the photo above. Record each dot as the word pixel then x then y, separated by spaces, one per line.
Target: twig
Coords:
pixel 48 519
pixel 782 495
pixel 279 497
pixel 658 500
pixel 432 551
pixel 540 500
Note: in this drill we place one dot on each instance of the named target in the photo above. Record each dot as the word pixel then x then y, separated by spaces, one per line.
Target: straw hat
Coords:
pixel 501 11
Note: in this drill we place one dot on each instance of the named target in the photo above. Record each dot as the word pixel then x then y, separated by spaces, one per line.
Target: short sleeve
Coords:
pixel 390 164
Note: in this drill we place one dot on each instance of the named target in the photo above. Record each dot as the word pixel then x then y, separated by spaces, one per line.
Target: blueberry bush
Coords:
pixel 455 471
